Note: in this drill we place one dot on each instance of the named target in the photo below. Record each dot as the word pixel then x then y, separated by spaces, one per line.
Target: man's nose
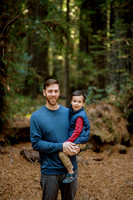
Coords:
pixel 53 93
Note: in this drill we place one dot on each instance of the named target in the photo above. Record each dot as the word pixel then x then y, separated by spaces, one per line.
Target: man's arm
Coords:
pixel 36 139
pixel 48 147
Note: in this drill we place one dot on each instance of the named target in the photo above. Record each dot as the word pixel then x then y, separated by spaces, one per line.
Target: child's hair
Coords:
pixel 79 93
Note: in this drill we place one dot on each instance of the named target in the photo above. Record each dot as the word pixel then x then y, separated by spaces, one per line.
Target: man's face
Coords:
pixel 52 94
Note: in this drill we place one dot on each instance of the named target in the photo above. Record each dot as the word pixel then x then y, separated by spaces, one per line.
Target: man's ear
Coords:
pixel 44 94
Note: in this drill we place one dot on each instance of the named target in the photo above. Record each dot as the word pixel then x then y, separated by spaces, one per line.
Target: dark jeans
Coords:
pixel 51 184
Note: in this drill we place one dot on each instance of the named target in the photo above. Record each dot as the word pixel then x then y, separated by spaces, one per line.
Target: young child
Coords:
pixel 79 130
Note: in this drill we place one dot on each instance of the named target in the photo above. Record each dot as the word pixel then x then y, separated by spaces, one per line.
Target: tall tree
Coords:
pixel 38 66
pixel 91 41
pixel 3 67
pixel 84 32
pixel 67 80
pixel 120 42
pixel 8 17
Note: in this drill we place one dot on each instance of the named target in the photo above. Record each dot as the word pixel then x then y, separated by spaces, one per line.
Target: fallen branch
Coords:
pixel 11 159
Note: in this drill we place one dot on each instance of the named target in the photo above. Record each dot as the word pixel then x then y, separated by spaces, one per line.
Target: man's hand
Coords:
pixel 70 148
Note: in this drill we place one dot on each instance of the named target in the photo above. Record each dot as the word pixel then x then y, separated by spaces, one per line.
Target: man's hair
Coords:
pixel 79 93
pixel 50 82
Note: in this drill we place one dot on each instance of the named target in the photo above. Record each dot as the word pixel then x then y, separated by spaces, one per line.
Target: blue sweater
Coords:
pixel 48 130
pixel 84 135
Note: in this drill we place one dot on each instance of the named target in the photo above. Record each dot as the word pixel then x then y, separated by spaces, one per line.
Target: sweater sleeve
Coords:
pixel 36 139
pixel 77 130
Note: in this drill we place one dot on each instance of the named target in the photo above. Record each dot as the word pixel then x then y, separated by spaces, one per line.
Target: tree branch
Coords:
pixel 8 24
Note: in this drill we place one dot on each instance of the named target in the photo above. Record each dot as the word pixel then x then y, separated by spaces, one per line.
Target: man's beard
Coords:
pixel 52 103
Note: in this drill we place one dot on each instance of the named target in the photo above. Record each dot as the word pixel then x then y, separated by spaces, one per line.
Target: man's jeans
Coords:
pixel 51 184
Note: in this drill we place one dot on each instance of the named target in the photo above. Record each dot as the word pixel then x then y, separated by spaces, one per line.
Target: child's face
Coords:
pixel 77 102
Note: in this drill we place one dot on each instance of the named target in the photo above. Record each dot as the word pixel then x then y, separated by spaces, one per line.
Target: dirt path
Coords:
pixel 102 176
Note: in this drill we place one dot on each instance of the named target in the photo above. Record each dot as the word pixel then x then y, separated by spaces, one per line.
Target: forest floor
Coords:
pixel 107 175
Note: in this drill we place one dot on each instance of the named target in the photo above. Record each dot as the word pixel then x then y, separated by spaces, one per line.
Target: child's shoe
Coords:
pixel 69 178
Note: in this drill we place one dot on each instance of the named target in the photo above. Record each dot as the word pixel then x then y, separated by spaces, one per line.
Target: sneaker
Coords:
pixel 69 178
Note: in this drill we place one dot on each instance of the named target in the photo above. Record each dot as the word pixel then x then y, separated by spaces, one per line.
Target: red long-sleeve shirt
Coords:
pixel 77 130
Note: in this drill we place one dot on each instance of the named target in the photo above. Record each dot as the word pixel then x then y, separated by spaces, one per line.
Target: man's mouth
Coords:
pixel 53 99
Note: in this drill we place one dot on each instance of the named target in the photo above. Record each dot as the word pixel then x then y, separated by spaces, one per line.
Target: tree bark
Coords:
pixel 5 24
pixel 38 66
pixel 67 81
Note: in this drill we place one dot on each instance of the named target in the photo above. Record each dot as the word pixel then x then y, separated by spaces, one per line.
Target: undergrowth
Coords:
pixel 20 105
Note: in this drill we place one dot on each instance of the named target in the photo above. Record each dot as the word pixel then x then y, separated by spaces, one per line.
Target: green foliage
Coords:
pixel 92 64
pixel 52 28
pixel 23 106
pixel 125 97
pixel 95 95
pixel 20 105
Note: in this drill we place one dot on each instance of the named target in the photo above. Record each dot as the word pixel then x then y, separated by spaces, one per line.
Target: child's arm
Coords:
pixel 77 130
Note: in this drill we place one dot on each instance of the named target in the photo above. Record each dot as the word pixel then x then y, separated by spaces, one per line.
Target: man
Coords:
pixel 49 128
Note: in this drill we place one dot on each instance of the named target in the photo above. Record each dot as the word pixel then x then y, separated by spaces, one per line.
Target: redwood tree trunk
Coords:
pixel 3 68
pixel 67 81
pixel 38 66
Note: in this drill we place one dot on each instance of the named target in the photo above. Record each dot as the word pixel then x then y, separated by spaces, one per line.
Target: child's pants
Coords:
pixel 66 160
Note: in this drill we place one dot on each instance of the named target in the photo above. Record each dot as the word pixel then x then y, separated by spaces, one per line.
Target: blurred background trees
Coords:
pixel 84 44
